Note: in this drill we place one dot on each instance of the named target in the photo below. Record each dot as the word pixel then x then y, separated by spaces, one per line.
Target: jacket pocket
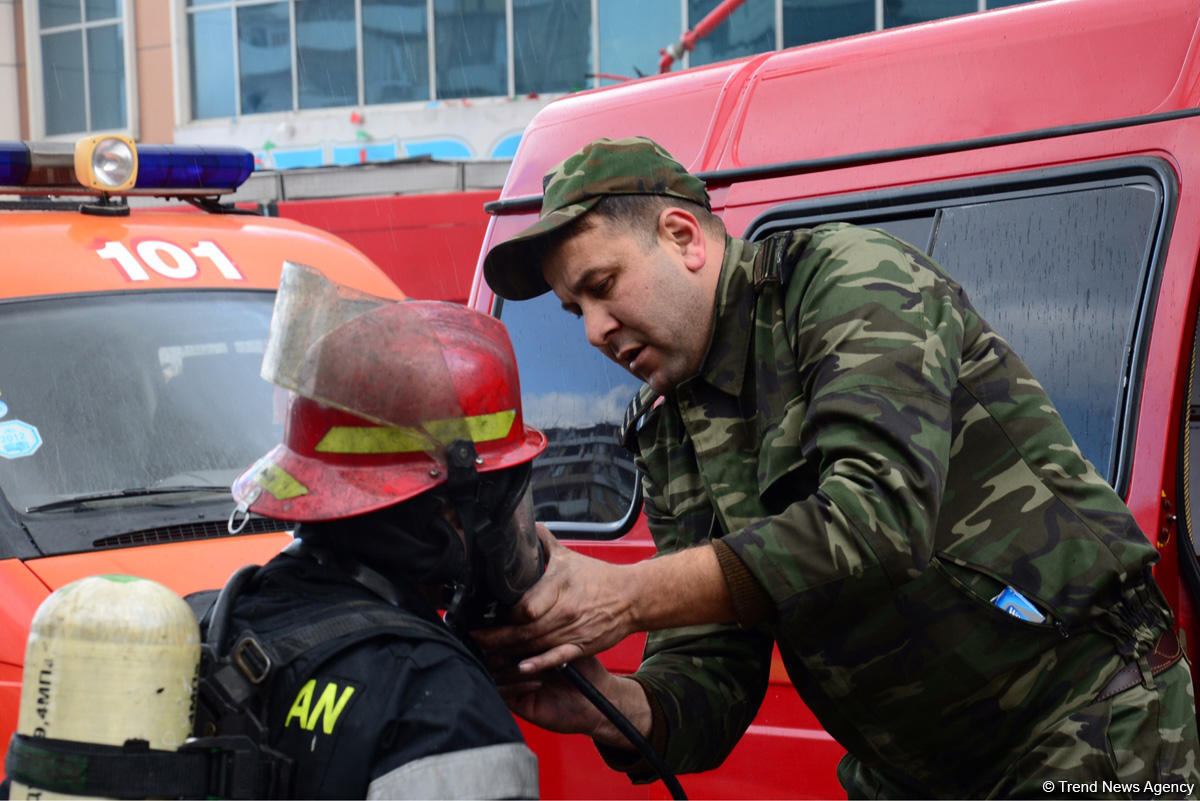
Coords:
pixel 984 586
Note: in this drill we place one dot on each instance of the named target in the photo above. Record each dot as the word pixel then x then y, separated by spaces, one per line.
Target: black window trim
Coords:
pixel 189 291
pixel 898 202
pixel 603 531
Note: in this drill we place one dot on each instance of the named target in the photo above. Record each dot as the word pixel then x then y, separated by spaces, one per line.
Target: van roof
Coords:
pixel 1034 66
pixel 67 252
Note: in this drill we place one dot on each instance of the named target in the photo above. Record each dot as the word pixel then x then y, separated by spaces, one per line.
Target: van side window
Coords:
pixel 1189 476
pixel 584 483
pixel 1189 463
pixel 1060 266
pixel 1058 276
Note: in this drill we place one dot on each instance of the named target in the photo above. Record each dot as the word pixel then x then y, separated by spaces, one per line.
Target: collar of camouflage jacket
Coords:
pixel 724 365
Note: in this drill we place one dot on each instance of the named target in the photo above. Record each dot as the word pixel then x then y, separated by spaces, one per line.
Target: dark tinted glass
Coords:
pixel 578 398
pixel 52 13
pixel 907 12
pixel 807 21
pixel 265 57
pixel 913 230
pixel 106 76
pixel 210 53
pixel 101 9
pixel 1058 276
pixel 395 50
pixel 326 53
pixel 552 40
pixel 630 51
pixel 1192 457
pixel 62 82
pixel 748 30
pixel 1059 273
pixel 472 48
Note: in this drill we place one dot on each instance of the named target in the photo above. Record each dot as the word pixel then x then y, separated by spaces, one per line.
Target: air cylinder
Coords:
pixel 109 659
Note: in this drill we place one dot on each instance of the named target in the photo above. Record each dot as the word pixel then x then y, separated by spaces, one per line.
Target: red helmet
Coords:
pixel 376 400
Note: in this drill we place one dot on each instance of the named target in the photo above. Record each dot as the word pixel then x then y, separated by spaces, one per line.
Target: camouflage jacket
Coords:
pixel 881 465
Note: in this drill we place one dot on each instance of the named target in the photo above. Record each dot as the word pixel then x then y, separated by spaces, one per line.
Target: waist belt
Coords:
pixel 1166 652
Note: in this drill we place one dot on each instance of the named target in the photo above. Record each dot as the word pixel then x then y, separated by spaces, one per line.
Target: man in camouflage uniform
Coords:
pixel 841 457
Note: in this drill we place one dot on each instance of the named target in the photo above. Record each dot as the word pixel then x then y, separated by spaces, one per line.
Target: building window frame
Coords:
pixel 182 13
pixel 35 79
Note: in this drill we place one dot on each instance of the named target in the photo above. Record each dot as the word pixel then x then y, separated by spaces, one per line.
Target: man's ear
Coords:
pixel 681 232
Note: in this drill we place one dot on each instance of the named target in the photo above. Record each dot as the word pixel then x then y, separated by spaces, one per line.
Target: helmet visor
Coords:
pixel 307 307
pixel 381 360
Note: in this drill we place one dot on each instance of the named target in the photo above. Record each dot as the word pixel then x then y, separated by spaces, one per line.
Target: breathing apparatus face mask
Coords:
pixel 489 558
pixel 495 514
pixel 507 553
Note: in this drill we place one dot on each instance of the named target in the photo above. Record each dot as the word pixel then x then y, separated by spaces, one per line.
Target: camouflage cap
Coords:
pixel 632 166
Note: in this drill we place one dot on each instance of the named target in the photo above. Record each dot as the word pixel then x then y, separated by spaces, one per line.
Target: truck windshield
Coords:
pixel 128 395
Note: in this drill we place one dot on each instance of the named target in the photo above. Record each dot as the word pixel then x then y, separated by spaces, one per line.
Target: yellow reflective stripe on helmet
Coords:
pixel 279 482
pixel 368 439
pixel 405 439
pixel 480 427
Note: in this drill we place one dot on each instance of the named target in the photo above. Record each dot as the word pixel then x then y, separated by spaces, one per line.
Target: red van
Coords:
pixel 1047 155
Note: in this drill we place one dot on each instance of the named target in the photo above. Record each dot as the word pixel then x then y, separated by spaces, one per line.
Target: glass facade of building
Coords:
pixel 254 56
pixel 82 45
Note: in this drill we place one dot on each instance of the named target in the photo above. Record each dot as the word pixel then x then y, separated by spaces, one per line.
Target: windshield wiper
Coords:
pixel 135 492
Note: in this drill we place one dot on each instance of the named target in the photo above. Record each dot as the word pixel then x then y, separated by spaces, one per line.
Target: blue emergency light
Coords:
pixel 193 167
pixel 113 164
pixel 14 163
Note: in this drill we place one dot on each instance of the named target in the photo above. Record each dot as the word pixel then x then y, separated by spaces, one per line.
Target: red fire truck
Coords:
pixel 130 394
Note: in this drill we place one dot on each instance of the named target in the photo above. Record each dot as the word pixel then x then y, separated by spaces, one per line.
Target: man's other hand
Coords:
pixel 549 700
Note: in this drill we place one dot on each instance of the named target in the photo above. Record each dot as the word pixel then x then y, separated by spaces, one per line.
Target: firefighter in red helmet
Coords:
pixel 405 462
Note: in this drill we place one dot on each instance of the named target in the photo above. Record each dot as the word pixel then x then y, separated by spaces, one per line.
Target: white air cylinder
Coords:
pixel 108 659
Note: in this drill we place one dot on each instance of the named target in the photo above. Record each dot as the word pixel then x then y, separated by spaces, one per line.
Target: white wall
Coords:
pixel 484 128
pixel 10 107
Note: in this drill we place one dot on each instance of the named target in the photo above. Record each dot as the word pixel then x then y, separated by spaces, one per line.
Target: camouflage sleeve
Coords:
pixel 877 338
pixel 707 682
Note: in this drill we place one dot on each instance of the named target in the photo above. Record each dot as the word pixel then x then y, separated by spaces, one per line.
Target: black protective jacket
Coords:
pixel 388 717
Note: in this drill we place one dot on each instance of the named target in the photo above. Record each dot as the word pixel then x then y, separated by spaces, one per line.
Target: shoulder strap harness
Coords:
pixel 772 267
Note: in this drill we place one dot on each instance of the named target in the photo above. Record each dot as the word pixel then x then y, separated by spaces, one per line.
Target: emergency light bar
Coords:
pixel 114 165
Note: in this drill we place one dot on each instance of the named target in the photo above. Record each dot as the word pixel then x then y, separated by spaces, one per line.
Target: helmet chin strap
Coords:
pixel 462 491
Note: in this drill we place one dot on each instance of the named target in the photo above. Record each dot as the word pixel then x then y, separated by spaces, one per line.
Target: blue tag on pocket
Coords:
pixel 1018 605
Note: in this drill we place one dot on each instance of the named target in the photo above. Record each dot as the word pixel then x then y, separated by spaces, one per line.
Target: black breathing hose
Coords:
pixel 626 728
pixel 597 699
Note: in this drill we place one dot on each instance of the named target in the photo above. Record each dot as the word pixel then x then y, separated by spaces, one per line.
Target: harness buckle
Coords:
pixel 252 659
pixel 239 768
